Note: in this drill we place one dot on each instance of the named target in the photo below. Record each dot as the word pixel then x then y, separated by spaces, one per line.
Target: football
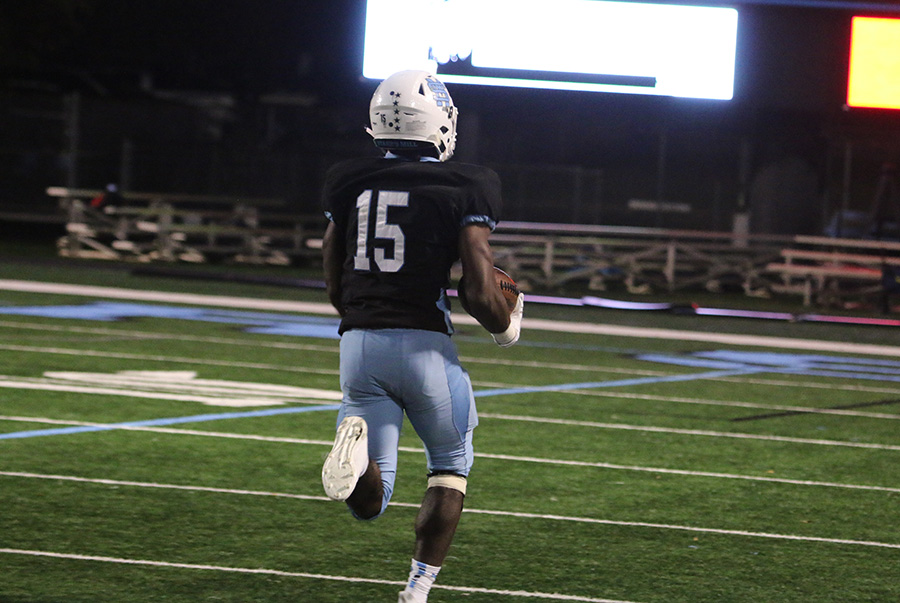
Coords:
pixel 508 287
pixel 505 283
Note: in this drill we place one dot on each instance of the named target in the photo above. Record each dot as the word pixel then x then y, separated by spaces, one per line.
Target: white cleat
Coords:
pixel 405 597
pixel 348 459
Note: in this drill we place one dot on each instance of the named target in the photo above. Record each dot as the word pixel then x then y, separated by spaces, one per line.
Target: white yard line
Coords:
pixel 304 575
pixel 483 455
pixel 690 432
pixel 498 513
pixel 842 347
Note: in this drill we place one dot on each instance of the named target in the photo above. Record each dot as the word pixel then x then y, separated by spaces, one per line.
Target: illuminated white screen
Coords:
pixel 656 49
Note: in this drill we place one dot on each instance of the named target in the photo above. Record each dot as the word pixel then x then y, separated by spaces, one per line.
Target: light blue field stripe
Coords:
pixel 169 421
pixel 623 382
pixel 298 409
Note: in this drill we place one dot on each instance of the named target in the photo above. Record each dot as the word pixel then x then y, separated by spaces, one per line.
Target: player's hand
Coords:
pixel 511 334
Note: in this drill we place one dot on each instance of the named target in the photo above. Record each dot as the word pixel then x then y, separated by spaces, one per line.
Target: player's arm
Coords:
pixel 333 255
pixel 486 303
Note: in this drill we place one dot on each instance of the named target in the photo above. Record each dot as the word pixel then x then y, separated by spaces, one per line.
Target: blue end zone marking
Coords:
pixel 782 359
pixel 170 421
pixel 727 363
pixel 255 322
pixel 695 361
pixel 812 365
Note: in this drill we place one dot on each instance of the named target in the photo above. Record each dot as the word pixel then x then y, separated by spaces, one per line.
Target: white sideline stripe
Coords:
pixel 528 323
pixel 285 574
pixel 485 455
pixel 690 432
pixel 541 516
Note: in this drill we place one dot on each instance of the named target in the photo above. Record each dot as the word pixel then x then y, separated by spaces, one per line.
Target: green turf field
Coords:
pixel 174 455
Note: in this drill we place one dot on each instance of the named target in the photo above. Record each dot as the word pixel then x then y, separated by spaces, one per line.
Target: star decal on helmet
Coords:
pixel 413 110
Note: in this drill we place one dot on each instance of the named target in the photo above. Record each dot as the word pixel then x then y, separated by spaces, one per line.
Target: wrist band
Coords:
pixel 509 335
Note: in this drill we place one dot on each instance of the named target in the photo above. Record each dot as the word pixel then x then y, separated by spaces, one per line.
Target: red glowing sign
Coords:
pixel 874 78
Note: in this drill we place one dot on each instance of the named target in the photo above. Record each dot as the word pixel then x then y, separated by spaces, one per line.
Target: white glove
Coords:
pixel 511 334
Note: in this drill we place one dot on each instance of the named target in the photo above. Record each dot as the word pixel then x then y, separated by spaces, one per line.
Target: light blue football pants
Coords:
pixel 386 372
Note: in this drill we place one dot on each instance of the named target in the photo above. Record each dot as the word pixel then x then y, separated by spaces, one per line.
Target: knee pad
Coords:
pixel 448 480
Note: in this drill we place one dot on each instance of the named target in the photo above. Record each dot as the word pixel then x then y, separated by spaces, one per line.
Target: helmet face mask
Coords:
pixel 411 112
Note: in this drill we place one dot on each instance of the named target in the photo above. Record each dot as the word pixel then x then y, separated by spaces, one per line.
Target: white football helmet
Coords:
pixel 412 111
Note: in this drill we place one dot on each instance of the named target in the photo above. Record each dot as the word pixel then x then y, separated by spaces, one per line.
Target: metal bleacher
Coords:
pixel 822 270
pixel 146 227
pixel 826 269
pixel 644 259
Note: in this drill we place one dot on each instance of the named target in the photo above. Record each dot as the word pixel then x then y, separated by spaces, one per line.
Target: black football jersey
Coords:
pixel 401 221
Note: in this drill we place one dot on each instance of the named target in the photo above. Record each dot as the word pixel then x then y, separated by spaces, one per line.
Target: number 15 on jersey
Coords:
pixel 380 201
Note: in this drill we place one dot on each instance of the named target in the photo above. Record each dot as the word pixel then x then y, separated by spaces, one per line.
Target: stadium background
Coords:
pixel 685 453
pixel 258 98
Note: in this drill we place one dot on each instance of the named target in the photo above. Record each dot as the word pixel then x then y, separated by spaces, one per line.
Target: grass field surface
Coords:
pixel 156 447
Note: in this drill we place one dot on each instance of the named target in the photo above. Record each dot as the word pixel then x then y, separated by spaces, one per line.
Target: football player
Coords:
pixel 397 224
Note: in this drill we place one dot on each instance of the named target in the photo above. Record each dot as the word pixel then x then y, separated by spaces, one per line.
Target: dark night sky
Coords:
pixel 225 45
pixel 788 57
